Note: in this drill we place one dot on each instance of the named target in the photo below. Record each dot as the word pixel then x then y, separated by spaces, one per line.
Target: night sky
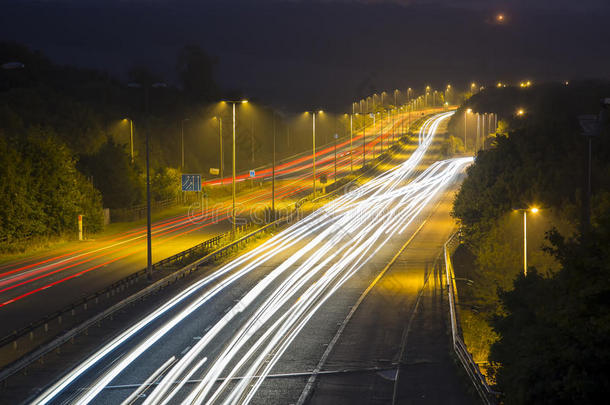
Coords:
pixel 308 54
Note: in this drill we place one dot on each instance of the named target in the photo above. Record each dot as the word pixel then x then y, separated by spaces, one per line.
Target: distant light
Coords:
pixel 320 112
pixel 469 110
pixel 520 112
pixel 244 101
pixel 499 84
pixel 500 17
pixel 534 210
pixel 566 83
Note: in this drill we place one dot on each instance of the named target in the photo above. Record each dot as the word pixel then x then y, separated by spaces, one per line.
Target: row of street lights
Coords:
pixel 410 106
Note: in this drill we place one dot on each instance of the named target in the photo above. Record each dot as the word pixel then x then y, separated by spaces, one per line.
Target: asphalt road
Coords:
pixel 44 283
pixel 254 329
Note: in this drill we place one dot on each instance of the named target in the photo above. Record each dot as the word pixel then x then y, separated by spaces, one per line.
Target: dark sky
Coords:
pixel 306 54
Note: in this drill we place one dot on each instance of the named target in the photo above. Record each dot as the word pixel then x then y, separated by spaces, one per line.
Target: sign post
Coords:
pixel 80 227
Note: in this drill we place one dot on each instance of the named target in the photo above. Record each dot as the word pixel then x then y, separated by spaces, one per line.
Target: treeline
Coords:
pixel 544 335
pixel 88 116
pixel 64 144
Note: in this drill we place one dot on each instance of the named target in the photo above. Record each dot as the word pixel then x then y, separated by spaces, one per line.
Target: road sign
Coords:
pixel 589 124
pixel 191 182
pixel 214 171
pixel 252 173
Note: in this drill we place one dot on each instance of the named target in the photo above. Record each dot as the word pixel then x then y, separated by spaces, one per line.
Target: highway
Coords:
pixel 44 283
pixel 234 333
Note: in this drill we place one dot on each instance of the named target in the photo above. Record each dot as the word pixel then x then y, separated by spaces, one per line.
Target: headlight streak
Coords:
pixel 334 217
pixel 281 334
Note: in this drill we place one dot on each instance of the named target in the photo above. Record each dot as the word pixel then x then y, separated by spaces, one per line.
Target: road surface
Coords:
pixel 40 285
pixel 252 330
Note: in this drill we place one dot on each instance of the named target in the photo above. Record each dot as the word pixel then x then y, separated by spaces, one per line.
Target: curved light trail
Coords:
pixel 334 243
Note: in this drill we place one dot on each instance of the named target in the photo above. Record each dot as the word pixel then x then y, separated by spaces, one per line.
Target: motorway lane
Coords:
pixel 395 325
pixel 296 272
pixel 32 288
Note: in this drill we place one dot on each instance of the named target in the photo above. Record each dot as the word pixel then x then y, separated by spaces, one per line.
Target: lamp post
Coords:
pixel 533 210
pixel 313 146
pixel 273 175
pixel 374 131
pixel 130 136
pixel 233 214
pixel 148 202
pixel 351 136
pixel 468 111
pixel 221 162
pixel 363 139
pixel 335 139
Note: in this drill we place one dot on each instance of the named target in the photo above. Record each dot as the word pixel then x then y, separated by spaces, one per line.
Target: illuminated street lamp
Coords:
pixel 363 139
pixel 520 112
pixel 533 210
pixel 156 85
pixel 233 163
pixel 468 111
pixel 221 162
pixel 313 142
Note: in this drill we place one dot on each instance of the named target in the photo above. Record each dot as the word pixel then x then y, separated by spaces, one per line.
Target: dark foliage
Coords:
pixel 555 338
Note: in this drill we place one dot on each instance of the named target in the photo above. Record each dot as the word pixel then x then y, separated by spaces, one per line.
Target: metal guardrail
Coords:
pixel 487 395
pixel 43 323
pixel 46 348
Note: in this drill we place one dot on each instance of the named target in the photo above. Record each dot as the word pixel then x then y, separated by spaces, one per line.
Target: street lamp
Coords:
pixel 468 111
pixel 147 149
pixel 520 112
pixel 363 139
pixel 130 136
pixel 313 143
pixel 221 163
pixel 533 210
pixel 351 136
pixel 233 162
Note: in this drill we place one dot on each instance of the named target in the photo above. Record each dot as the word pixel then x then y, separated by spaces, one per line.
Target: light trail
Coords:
pixel 179 226
pixel 339 240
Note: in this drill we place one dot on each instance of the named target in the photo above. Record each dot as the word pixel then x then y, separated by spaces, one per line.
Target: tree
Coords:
pixel 554 344
pixel 114 175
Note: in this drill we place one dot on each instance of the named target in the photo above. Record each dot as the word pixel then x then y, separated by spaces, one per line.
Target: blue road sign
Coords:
pixel 252 173
pixel 191 182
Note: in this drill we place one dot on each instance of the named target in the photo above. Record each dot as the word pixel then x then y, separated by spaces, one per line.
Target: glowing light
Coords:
pixel 534 210
pixel 520 112
pixel 336 242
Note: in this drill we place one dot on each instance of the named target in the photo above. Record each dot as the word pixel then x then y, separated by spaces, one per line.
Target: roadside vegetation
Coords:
pixel 542 338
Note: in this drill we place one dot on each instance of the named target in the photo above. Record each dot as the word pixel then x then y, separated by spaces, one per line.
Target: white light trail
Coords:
pixel 338 240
